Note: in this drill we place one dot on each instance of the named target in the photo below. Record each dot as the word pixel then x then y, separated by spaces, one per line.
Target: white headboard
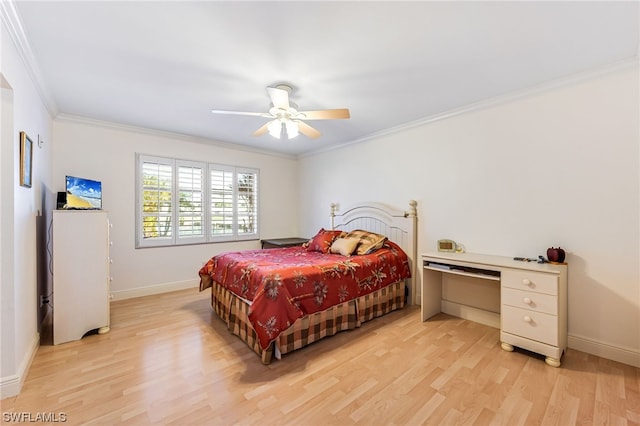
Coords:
pixel 400 226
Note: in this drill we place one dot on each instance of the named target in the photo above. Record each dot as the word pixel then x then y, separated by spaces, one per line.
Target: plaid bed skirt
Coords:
pixel 310 328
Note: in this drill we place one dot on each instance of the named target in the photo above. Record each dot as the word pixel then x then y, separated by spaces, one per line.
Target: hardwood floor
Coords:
pixel 169 360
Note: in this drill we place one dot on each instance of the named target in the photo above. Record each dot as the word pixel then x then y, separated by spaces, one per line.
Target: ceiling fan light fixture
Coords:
pixel 292 129
pixel 283 129
pixel 275 128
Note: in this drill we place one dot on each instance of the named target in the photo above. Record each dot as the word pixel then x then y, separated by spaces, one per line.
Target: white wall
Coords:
pixel 23 110
pixel 555 166
pixel 106 152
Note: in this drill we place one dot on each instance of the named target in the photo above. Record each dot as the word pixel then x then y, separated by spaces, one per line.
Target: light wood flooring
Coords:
pixel 169 360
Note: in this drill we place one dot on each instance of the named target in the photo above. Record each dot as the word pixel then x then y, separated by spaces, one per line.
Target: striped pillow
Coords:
pixel 369 241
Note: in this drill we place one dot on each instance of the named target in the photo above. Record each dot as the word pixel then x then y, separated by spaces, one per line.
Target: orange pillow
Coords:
pixel 323 240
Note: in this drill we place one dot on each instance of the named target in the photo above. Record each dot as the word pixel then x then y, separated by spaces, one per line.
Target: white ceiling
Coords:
pixel 164 65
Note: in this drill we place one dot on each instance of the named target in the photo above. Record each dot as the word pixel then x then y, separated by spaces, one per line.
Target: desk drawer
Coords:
pixel 530 324
pixel 530 300
pixel 530 281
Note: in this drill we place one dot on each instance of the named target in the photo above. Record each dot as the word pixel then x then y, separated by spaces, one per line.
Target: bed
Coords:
pixel 283 299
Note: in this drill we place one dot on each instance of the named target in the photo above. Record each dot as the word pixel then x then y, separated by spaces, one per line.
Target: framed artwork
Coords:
pixel 26 160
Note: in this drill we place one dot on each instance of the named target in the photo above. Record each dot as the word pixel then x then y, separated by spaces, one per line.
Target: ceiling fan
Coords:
pixel 286 121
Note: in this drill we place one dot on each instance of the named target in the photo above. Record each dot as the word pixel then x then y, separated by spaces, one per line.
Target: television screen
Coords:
pixel 83 193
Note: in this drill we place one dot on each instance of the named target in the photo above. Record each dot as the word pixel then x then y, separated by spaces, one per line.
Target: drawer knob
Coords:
pixel 526 281
pixel 527 318
pixel 526 300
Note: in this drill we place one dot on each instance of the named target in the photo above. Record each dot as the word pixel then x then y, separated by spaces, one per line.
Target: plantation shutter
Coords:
pixel 156 187
pixel 247 202
pixel 222 202
pixel 191 212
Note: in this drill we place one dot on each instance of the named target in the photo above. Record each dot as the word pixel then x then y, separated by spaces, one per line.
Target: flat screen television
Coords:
pixel 83 194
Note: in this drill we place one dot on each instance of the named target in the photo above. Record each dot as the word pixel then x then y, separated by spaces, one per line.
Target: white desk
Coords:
pixel 533 298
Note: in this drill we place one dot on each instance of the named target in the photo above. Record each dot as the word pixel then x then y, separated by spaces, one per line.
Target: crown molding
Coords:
pixel 161 133
pixel 492 102
pixel 13 23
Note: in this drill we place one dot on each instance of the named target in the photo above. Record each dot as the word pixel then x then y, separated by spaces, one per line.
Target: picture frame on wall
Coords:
pixel 26 160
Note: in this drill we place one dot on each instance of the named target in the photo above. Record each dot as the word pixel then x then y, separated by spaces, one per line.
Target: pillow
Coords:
pixel 369 241
pixel 344 246
pixel 323 240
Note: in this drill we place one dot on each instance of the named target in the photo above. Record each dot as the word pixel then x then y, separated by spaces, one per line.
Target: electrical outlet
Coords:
pixel 43 300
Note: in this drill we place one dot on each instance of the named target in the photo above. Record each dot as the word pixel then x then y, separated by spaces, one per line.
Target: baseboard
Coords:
pixel 11 385
pixel 481 316
pixel 624 355
pixel 154 289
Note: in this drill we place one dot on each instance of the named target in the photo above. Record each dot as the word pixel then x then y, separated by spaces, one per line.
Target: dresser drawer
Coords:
pixel 530 300
pixel 530 281
pixel 530 324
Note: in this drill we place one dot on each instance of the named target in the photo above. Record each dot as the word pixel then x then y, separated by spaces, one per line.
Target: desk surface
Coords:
pixel 490 261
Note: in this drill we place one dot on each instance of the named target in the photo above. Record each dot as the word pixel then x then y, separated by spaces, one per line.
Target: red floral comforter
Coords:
pixel 288 283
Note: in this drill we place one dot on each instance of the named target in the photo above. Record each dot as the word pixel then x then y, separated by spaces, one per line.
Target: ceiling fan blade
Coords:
pixel 325 114
pixel 279 97
pixel 307 130
pixel 262 130
pixel 255 114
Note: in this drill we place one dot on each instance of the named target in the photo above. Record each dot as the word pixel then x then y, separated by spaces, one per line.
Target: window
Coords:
pixel 222 206
pixel 188 202
pixel 191 201
pixel 247 191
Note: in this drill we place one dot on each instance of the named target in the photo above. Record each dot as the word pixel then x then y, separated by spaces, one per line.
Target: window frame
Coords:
pixel 208 236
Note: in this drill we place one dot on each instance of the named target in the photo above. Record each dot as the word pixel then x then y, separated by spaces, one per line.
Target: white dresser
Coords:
pixel 533 298
pixel 80 246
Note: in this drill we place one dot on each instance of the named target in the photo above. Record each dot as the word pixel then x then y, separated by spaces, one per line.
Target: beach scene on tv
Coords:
pixel 83 193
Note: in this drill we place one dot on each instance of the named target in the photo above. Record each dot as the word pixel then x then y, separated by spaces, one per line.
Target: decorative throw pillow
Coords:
pixel 368 241
pixel 344 246
pixel 323 240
